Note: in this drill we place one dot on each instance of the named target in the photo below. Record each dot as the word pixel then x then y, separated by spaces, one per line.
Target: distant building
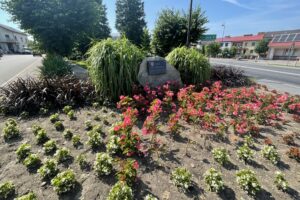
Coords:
pixel 270 35
pixel 245 44
pixel 12 40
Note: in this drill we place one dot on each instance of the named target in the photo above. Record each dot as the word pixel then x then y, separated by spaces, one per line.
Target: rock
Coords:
pixel 156 80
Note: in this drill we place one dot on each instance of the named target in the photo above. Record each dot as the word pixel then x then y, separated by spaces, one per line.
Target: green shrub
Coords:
pixel 280 182
pixel 120 191
pixel 95 139
pixel 150 197
pixel 82 161
pixel 59 126
pixel 7 190
pixel 29 196
pixel 62 155
pixel 48 170
pixel 76 140
pixel 245 153
pixel 71 115
pixel 11 130
pixel 54 118
pixel 35 129
pixel 248 182
pixel 271 154
pixel 213 180
pixel 194 67
pixel 114 66
pixel 88 125
pixel 182 178
pixel 64 182
pixel 128 171
pixel 103 164
pixel 54 65
pixel 221 155
pixel 50 147
pixel 248 140
pixel 112 145
pixel 32 161
pixel 67 109
pixel 68 134
pixel 23 151
pixel 41 136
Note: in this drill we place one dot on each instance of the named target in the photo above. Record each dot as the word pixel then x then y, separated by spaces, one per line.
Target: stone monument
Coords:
pixel 155 71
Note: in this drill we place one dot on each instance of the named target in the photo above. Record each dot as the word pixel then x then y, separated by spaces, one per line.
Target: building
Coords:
pixel 270 35
pixel 245 44
pixel 285 46
pixel 12 40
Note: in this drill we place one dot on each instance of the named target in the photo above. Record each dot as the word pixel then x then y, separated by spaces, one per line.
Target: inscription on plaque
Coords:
pixel 157 67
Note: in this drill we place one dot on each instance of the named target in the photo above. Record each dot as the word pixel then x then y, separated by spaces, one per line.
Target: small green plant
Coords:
pixel 120 191
pixel 24 115
pixel 103 164
pixel 54 118
pixel 76 140
pixel 55 66
pixel 68 134
pixel 59 126
pixel 35 129
pixel 48 170
pixel 23 151
pixel 41 137
pixel 270 153
pixel 82 161
pixel 11 130
pixel 95 139
pixel 88 125
pixel 245 153
pixel 64 182
pixel 112 145
pixel 213 180
pixel 7 190
pixel 248 140
pixel 62 155
pixel 43 111
pixel 280 181
pixel 150 197
pixel 71 115
pixel 128 171
pixel 221 155
pixel 248 182
pixel 97 118
pixel 32 161
pixel 29 196
pixel 50 147
pixel 182 178
pixel 95 105
pixel 67 109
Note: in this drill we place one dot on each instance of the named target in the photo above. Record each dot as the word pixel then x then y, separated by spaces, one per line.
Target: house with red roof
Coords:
pixel 245 44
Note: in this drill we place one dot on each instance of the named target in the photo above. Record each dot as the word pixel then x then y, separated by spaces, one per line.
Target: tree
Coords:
pixel 146 40
pixel 171 29
pixel 233 51
pixel 55 24
pixel 262 47
pixel 226 53
pixel 213 49
pixel 130 19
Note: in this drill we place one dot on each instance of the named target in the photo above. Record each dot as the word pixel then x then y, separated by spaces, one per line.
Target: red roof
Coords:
pixel 242 38
pixel 283 44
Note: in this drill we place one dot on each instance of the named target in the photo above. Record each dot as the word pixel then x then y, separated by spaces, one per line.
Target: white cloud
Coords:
pixel 237 3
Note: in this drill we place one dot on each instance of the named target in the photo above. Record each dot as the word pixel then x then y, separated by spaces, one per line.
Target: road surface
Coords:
pixel 281 78
pixel 13 66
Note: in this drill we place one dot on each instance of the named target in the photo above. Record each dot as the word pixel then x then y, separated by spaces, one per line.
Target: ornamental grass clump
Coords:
pixel 248 182
pixel 221 156
pixel 182 178
pixel 7 190
pixel 23 151
pixel 29 196
pixel 245 153
pixel 114 66
pixel 280 181
pixel 270 153
pixel 103 164
pixel 194 67
pixel 64 182
pixel 48 170
pixel 120 191
pixel 11 130
pixel 213 180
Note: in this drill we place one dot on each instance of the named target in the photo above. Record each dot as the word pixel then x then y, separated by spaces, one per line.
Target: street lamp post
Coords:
pixel 189 24
pixel 223 25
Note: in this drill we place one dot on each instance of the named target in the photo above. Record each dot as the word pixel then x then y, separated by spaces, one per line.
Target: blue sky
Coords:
pixel 240 16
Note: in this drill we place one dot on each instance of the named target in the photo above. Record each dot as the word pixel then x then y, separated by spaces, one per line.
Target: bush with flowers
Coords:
pixel 280 181
pixel 120 191
pixel 270 153
pixel 182 178
pixel 213 180
pixel 103 164
pixel 248 182
pixel 128 171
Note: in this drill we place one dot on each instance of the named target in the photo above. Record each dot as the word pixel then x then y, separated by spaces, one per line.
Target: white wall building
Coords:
pixel 12 40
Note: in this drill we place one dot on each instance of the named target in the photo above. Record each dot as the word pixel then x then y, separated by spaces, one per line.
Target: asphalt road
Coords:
pixel 281 78
pixel 13 66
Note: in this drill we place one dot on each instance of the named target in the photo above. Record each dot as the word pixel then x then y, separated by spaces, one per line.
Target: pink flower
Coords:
pixel 136 165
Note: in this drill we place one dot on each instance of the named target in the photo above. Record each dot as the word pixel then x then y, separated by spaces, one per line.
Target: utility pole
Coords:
pixel 189 24
pixel 223 25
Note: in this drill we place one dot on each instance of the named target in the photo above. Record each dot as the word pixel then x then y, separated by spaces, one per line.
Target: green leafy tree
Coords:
pixel 213 49
pixel 171 29
pixel 146 40
pixel 55 24
pixel 226 53
pixel 233 51
pixel 262 47
pixel 130 19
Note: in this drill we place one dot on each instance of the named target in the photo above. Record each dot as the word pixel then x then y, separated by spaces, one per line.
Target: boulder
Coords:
pixel 156 80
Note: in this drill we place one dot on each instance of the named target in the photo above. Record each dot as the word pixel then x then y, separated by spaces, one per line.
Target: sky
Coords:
pixel 239 16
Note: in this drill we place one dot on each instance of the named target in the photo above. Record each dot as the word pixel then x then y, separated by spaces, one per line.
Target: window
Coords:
pixel 7 36
pixel 246 44
pixel 226 44
pixel 16 38
pixel 253 44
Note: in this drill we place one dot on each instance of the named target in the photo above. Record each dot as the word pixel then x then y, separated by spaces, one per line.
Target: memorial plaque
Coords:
pixel 157 67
